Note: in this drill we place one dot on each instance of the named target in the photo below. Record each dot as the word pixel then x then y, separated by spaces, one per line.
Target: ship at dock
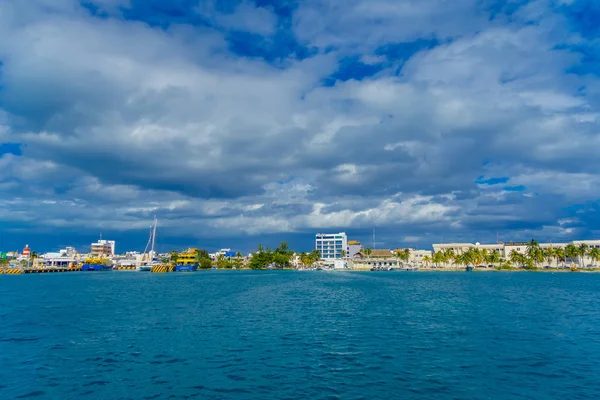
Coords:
pixel 97 264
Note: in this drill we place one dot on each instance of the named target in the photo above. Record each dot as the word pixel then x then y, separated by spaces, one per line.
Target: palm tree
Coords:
pixel 475 256
pixel 494 258
pixel 406 255
pixel 343 253
pixel 457 260
pixel 571 251
pixel 174 257
pixel 403 255
pixel 535 254
pixel 583 251
pixel 559 253
pixel 32 256
pixel 536 257
pixel 465 258
pixel 222 262
pixel 594 254
pixel 368 251
pixel 533 244
pixel 485 256
pixel 549 255
pixel 303 257
pixel 449 255
pixel 315 256
pixel 438 258
pixel 426 260
pixel 516 258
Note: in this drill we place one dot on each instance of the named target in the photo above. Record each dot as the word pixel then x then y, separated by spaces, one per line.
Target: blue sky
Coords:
pixel 247 122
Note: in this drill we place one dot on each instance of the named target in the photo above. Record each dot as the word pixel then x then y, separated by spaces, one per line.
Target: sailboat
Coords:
pixel 149 255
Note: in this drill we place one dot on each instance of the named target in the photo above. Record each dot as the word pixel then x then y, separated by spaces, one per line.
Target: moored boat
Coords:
pixel 469 268
pixel 97 264
pixel 148 258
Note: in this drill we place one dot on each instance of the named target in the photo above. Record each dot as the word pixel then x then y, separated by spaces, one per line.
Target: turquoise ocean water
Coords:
pixel 300 335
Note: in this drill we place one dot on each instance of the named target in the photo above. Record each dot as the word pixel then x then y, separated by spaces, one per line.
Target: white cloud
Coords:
pixel 126 120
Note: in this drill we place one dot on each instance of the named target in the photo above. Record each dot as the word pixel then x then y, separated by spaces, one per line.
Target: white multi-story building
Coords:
pixel 103 248
pixel 331 245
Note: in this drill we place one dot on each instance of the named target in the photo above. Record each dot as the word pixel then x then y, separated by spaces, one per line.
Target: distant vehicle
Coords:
pixel 547 267
pixel 589 266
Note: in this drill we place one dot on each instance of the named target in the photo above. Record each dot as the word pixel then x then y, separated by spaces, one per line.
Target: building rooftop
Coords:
pixel 381 253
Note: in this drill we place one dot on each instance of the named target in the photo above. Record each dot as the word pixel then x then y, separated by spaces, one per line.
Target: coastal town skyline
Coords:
pixel 135 242
pixel 249 122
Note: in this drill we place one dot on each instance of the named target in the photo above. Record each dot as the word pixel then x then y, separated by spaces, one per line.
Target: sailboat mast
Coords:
pixel 154 234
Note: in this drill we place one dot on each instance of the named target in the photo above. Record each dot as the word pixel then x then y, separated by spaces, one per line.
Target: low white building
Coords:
pixel 507 248
pixel 458 248
pixel 417 256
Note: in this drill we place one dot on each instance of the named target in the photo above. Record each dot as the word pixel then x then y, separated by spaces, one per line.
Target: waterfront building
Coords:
pixel 458 248
pixel 589 243
pixel 331 245
pixel 382 254
pixel 509 247
pixel 506 249
pixel 383 258
pixel 353 247
pixel 52 262
pixel 103 248
pixel 587 260
pixel 69 252
pixel 227 253
pixel 416 256
pixel 26 251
